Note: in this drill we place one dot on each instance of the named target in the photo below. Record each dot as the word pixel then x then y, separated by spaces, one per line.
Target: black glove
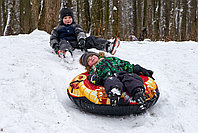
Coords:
pixel 81 43
pixel 56 48
pixel 93 78
pixel 142 71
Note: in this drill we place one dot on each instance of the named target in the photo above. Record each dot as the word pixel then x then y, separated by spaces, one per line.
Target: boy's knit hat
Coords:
pixel 85 56
pixel 66 12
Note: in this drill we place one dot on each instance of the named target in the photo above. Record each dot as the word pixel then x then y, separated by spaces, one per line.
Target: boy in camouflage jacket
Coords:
pixel 116 76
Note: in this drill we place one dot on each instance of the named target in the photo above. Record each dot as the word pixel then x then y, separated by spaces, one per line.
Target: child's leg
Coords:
pixel 112 82
pixel 134 85
pixel 132 82
pixel 65 45
pixel 113 89
pixel 102 44
pixel 98 43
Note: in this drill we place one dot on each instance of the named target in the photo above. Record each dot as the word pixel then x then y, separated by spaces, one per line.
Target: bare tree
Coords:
pixel 150 18
pixel 193 21
pixel 25 16
pixel 67 3
pixel 36 7
pixel 172 15
pixel 156 19
pixel 96 18
pixel 167 19
pixel 84 14
pixel 8 28
pixel 106 20
pixel 49 15
pixel 196 22
pixel 115 18
pixel 4 14
pixel 1 30
pixel 139 16
pixel 184 8
pixel 135 30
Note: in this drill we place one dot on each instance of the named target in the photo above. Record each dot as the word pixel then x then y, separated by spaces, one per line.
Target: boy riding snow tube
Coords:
pixel 109 93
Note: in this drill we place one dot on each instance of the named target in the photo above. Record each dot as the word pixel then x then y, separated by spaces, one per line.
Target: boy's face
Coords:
pixel 92 60
pixel 67 20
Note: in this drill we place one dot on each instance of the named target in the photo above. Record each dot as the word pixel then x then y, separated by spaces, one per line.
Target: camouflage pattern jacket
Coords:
pixel 108 67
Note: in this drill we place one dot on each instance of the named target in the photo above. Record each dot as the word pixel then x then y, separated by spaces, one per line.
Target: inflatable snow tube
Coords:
pixel 92 98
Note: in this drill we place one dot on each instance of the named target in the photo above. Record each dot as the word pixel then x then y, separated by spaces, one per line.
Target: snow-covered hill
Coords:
pixel 33 84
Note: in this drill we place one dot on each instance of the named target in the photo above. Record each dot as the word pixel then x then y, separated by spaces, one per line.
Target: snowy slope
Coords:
pixel 33 84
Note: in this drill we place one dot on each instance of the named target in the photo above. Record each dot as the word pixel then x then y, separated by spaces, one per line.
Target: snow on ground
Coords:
pixel 33 84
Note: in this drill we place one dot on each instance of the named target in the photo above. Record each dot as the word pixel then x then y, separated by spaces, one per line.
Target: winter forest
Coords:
pixel 167 20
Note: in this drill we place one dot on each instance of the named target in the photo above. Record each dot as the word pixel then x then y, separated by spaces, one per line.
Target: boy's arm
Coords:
pixel 79 32
pixel 54 38
pixel 142 71
pixel 131 68
pixel 126 66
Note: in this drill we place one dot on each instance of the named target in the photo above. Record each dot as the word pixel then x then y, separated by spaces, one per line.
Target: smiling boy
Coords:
pixel 68 36
pixel 116 76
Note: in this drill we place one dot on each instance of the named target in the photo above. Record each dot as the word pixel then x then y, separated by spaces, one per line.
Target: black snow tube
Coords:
pixel 92 98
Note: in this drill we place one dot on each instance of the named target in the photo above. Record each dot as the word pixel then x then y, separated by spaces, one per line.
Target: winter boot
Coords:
pixel 140 98
pixel 114 95
pixel 112 48
pixel 62 54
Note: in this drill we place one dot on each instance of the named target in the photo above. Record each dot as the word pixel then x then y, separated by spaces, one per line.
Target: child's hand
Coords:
pixel 56 48
pixel 142 71
pixel 94 79
pixel 81 43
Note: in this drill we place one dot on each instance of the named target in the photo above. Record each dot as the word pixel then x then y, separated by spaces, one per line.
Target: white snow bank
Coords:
pixel 33 84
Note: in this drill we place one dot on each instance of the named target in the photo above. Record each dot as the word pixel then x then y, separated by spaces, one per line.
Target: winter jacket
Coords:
pixel 108 67
pixel 72 33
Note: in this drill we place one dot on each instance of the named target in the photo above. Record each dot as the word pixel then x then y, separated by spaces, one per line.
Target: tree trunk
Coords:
pixel 87 16
pixel 177 20
pixel 78 11
pixel 196 22
pixel 183 23
pixel 84 15
pixel 156 19
pixel 25 16
pixel 49 16
pixel 145 13
pixel 139 16
pixel 115 18
pixel 149 6
pixel 5 15
pixel 1 28
pixel 8 27
pixel 172 20
pixel 135 26
pixel 167 18
pixel 68 3
pixel 106 19
pixel 97 18
pixel 36 6
pixel 193 20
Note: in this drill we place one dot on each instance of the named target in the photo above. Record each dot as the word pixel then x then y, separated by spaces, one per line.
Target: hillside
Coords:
pixel 33 84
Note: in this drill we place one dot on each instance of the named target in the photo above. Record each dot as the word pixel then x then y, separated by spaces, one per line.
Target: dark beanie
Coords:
pixel 85 56
pixel 66 12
